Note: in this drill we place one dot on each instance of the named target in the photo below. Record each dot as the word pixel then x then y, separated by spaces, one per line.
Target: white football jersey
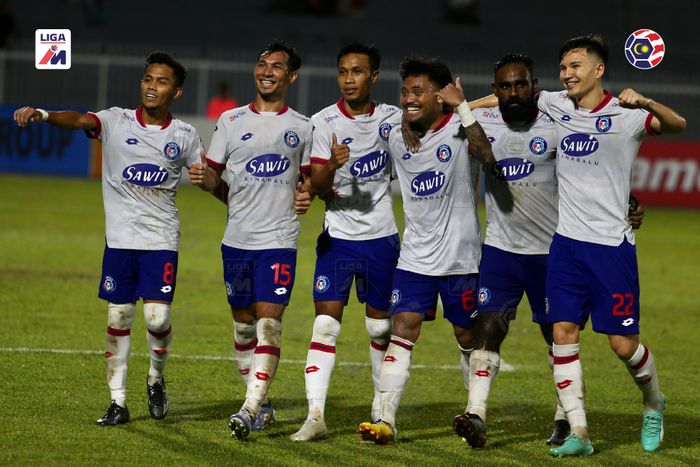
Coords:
pixel 263 155
pixel 141 167
pixel 362 210
pixel 442 234
pixel 521 212
pixel 596 152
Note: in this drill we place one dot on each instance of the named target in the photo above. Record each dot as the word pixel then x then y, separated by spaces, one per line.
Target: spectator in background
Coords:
pixel 221 102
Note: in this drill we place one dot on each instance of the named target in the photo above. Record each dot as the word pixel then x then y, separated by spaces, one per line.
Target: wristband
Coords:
pixel 465 114
pixel 44 115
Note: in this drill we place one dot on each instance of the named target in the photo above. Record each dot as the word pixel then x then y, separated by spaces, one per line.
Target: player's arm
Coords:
pixel 664 120
pixel 303 195
pixel 206 177
pixel 322 175
pixel 68 119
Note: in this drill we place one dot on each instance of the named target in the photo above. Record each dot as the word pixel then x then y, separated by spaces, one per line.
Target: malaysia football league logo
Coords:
pixel 644 49
pixel 52 49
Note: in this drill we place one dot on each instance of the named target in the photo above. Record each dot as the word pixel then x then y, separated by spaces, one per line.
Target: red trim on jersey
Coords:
pixel 565 360
pixel 319 161
pixel 161 335
pixel 139 118
pixel 443 122
pixel 344 111
pixel 252 108
pixel 604 102
pixel 97 131
pixel 644 359
pixel 377 346
pixel 305 169
pixel 402 344
pixel 245 347
pixel 216 165
pixel 648 128
pixel 322 347
pixel 268 349
pixel 118 332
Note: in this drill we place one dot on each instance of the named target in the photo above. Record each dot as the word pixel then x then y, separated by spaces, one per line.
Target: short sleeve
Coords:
pixel 194 147
pixel 308 148
pixel 639 124
pixel 105 120
pixel 321 147
pixel 218 148
pixel 544 99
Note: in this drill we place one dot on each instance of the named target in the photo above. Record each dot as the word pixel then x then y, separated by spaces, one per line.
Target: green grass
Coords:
pixel 52 235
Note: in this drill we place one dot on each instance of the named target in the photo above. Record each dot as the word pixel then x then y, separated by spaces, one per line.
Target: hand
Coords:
pixel 631 99
pixel 340 153
pixel 25 115
pixel 198 170
pixel 452 94
pixel 635 216
pixel 497 171
pixel 410 139
pixel 330 195
pixel 302 200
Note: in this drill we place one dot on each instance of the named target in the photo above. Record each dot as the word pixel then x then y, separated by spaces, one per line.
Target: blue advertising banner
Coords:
pixel 42 148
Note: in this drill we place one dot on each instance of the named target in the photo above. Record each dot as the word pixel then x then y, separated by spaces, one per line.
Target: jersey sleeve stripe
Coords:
pixel 305 169
pixel 318 160
pixel 647 126
pixel 216 165
pixel 97 131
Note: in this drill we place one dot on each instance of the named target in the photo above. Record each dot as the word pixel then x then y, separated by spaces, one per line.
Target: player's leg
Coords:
pixel 158 276
pixel 118 288
pixel 378 325
pixel 561 428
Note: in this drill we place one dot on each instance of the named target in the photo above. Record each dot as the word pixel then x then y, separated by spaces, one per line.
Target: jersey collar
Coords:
pixel 343 111
pixel 252 108
pixel 166 123
pixel 443 122
pixel 606 99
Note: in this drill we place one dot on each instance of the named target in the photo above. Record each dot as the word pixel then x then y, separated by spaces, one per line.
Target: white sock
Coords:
pixel 568 379
pixel 118 347
pixel 379 331
pixel 560 414
pixel 265 361
pixel 643 369
pixel 159 334
pixel 394 375
pixel 319 363
pixel 464 363
pixel 244 342
pixel 483 366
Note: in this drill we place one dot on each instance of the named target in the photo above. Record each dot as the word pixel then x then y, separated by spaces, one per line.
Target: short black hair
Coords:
pixel 514 58
pixel 593 43
pixel 371 51
pixel 432 67
pixel 293 58
pixel 164 58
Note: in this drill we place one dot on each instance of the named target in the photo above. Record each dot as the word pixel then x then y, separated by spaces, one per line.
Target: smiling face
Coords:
pixel 158 88
pixel 272 76
pixel 580 72
pixel 355 77
pixel 514 88
pixel 419 101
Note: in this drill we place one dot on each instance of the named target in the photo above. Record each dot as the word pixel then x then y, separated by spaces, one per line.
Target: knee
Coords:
pixel 326 328
pixel 624 346
pixel 269 331
pixel 564 333
pixel 157 316
pixel 491 329
pixel 120 316
pixel 465 337
pixel 378 329
pixel 244 333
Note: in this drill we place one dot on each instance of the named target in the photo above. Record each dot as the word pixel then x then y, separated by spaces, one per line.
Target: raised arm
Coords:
pixel 322 175
pixel 665 119
pixel 68 119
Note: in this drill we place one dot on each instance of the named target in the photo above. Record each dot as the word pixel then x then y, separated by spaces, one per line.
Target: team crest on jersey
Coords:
pixel 603 124
pixel 229 288
pixel 145 174
pixel 444 153
pixel 322 283
pixel 172 151
pixel 428 183
pixel 579 145
pixel 384 130
pixel 370 164
pixel 484 296
pixel 291 139
pixel 267 165
pixel 515 168
pixel 109 285
pixel 395 296
pixel 538 145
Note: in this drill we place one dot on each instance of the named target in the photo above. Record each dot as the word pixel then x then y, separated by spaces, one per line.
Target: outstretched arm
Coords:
pixel 68 119
pixel 665 120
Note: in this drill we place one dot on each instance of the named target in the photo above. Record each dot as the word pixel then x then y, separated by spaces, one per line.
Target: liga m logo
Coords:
pixel 52 49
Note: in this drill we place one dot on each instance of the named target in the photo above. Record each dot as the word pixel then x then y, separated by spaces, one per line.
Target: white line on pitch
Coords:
pixel 504 366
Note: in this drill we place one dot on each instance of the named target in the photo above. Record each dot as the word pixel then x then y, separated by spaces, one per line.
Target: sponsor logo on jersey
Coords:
pixel 406 156
pixel 444 153
pixel 330 118
pixel 109 285
pixel 538 145
pixel 246 137
pixel 347 140
pixel 132 141
pixel 370 164
pixel 603 124
pixel 491 139
pixel 280 290
pixel 628 322
pixel 236 115
pixel 579 145
pixel 428 183
pixel 484 296
pixel 268 165
pixel 384 130
pixel 644 49
pixel 515 168
pixel 565 118
pixel 291 139
pixel 229 289
pixel 172 151
pixel 395 296
pixel 145 174
pixel 322 283
pixel 52 49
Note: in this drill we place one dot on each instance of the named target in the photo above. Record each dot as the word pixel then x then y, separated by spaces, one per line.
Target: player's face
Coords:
pixel 272 75
pixel 158 88
pixel 580 72
pixel 514 88
pixel 419 101
pixel 355 77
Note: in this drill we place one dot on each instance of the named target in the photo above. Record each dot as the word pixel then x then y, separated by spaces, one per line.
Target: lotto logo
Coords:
pixel 52 49
pixel 482 373
pixel 564 384
pixel 311 369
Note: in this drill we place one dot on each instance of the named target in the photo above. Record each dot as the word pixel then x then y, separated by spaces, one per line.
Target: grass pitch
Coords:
pixel 52 383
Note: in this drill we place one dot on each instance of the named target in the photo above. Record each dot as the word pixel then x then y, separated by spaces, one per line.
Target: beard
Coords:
pixel 522 112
